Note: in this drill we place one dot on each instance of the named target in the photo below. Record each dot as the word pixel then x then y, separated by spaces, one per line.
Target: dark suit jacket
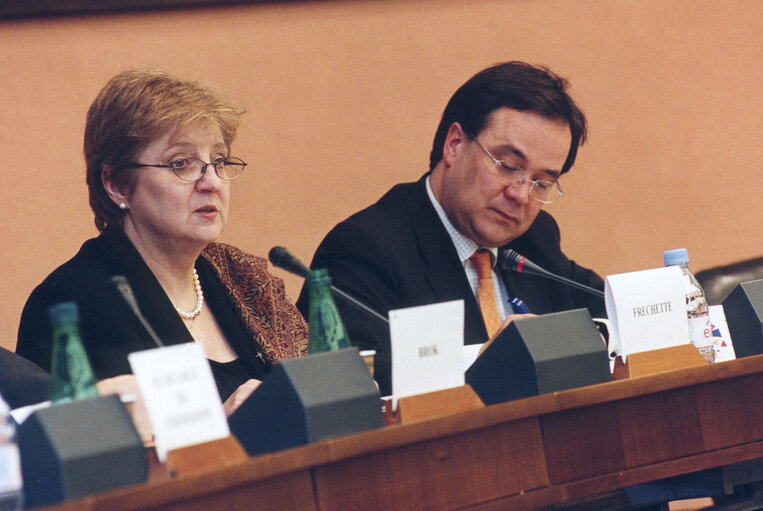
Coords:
pixel 21 381
pixel 396 253
pixel 110 331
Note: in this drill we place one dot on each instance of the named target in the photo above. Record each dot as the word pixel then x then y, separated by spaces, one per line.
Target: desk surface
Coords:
pixel 516 455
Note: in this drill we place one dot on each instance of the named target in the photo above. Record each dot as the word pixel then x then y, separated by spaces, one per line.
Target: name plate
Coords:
pixel 427 348
pixel 181 397
pixel 646 310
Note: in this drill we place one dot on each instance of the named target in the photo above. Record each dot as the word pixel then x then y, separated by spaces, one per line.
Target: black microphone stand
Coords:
pixel 511 260
pixel 282 258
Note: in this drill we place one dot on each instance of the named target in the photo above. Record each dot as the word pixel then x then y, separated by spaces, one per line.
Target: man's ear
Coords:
pixel 115 192
pixel 455 143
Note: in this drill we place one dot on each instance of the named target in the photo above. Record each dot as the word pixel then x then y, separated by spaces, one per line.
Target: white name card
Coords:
pixel 427 348
pixel 181 396
pixel 646 310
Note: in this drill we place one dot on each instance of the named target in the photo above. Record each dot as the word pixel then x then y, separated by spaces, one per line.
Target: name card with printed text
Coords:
pixel 181 397
pixel 646 310
pixel 427 348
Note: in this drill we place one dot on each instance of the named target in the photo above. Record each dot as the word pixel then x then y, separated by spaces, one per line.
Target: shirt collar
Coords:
pixel 465 247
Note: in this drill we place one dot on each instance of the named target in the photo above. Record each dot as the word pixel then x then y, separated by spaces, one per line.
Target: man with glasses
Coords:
pixel 505 139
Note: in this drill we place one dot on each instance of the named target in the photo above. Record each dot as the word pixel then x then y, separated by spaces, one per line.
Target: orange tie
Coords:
pixel 485 294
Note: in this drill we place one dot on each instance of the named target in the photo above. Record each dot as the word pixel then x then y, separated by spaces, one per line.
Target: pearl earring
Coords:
pixel 122 205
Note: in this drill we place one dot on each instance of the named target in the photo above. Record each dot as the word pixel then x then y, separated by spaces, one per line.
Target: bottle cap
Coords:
pixel 318 276
pixel 675 257
pixel 63 313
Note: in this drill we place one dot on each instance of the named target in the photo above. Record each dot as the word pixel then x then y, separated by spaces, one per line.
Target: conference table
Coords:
pixel 531 453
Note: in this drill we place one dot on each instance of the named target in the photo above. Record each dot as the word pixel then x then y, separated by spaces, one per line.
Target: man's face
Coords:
pixel 477 195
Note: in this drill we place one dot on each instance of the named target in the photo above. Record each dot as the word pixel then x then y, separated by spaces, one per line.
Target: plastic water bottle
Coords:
pixel 700 329
pixel 11 482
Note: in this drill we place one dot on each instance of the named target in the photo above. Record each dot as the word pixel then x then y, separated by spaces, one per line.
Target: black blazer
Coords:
pixel 396 253
pixel 21 381
pixel 109 329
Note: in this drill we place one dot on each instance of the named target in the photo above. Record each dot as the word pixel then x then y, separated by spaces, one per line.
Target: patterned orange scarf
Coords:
pixel 260 299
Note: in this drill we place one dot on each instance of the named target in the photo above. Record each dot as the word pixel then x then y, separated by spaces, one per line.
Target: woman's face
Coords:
pixel 169 214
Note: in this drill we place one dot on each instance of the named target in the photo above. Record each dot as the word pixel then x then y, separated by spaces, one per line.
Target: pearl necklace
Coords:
pixel 199 299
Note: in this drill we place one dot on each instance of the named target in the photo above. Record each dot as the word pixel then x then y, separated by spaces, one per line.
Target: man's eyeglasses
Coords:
pixel 191 169
pixel 540 190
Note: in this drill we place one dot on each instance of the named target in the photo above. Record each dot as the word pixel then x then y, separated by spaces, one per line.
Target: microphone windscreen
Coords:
pixel 121 284
pixel 508 259
pixel 511 260
pixel 283 259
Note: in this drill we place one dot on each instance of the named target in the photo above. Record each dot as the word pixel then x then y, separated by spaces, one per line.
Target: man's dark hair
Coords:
pixel 516 85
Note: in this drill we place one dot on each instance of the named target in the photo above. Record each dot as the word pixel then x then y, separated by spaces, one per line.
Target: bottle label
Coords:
pixel 10 468
pixel 696 305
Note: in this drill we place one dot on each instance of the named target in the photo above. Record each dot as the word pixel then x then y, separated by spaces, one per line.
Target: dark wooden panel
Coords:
pixel 201 492
pixel 449 473
pixel 731 411
pixel 603 485
pixel 660 426
pixel 582 442
pixel 292 492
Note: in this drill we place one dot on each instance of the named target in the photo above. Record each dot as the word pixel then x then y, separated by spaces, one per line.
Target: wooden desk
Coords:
pixel 517 455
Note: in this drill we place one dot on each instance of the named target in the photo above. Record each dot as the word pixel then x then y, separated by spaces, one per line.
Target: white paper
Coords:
pixel 10 468
pixel 181 396
pixel 471 352
pixel 724 348
pixel 21 414
pixel 427 348
pixel 647 310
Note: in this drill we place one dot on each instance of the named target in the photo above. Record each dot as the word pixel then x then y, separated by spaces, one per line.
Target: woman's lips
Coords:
pixel 207 211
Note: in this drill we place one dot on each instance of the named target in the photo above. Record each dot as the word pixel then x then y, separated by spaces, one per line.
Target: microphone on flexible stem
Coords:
pixel 282 258
pixel 123 288
pixel 510 260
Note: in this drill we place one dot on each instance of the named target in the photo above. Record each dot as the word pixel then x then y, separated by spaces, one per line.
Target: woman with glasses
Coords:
pixel 159 172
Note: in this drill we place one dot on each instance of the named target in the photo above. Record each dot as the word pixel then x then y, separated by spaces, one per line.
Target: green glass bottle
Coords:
pixel 71 375
pixel 326 331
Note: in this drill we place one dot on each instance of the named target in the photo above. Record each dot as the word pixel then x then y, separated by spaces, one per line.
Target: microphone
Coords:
pixel 510 260
pixel 282 258
pixel 123 288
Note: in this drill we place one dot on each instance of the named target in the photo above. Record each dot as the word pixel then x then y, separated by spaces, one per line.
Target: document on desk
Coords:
pixel 427 348
pixel 181 397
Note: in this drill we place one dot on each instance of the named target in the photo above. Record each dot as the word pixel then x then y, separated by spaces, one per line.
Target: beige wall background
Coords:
pixel 343 99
